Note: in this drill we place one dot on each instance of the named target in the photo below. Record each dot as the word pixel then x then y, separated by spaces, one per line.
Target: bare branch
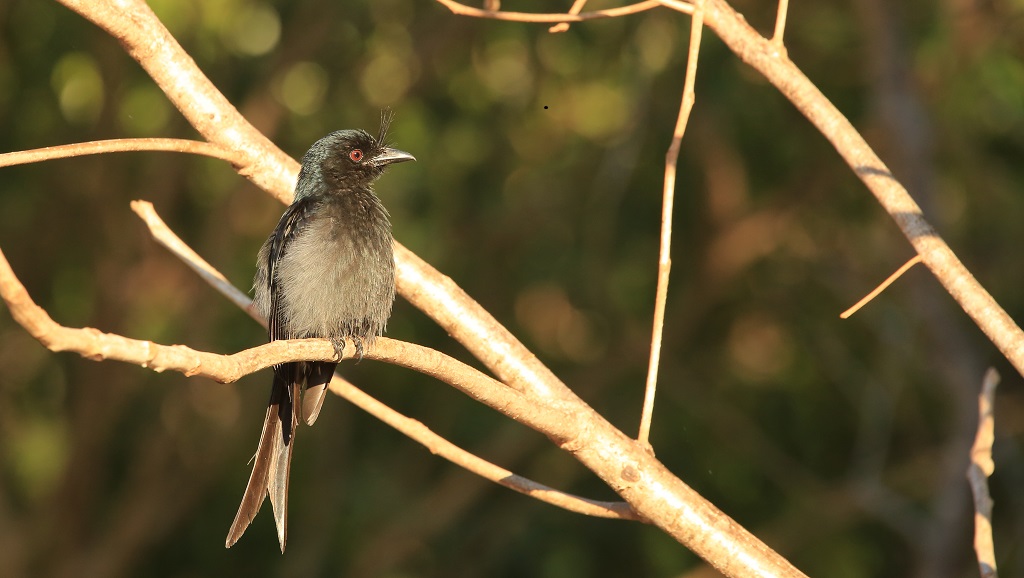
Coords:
pixel 770 61
pixel 173 243
pixel 668 200
pixel 175 145
pixel 978 472
pixel 624 465
pixel 463 10
pixel 577 7
pixel 473 463
pixel 881 287
pixel 780 23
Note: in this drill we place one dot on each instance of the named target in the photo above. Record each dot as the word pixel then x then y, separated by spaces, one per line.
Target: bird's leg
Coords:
pixel 359 348
pixel 339 347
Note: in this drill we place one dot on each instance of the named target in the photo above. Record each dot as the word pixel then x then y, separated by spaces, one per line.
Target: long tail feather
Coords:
pixel 272 463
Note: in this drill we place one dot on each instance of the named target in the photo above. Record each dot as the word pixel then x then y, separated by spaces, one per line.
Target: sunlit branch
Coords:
pixel 173 243
pixel 780 22
pixel 668 200
pixel 678 5
pixel 437 445
pixel 577 7
pixel 935 253
pixel 881 287
pixel 119 145
pixel 978 472
pixel 463 10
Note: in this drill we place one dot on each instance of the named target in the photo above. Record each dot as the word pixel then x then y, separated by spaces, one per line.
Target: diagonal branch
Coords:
pixel 438 445
pixel 771 61
pixel 173 243
pixel 649 488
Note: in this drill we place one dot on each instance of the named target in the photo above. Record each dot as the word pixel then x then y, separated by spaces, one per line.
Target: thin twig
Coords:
pixel 683 6
pixel 881 287
pixel 176 145
pixel 668 200
pixel 577 7
pixel 463 10
pixel 438 445
pixel 166 237
pixel 978 472
pixel 780 22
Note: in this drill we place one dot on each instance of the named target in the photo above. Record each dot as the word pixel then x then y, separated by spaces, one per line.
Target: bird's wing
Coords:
pixel 291 224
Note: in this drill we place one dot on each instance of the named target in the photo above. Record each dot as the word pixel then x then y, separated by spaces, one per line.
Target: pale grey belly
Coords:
pixel 331 285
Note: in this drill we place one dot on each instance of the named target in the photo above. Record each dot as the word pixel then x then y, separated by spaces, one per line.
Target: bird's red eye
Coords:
pixel 356 155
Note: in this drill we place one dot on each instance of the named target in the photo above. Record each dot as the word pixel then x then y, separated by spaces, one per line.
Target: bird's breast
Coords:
pixel 336 277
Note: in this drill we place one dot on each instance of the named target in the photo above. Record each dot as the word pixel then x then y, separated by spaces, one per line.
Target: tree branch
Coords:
pixel 978 472
pixel 768 59
pixel 668 202
pixel 463 10
pixel 175 145
pixel 438 445
pixel 173 243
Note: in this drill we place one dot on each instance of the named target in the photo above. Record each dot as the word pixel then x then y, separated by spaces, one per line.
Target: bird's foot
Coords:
pixel 359 349
pixel 339 347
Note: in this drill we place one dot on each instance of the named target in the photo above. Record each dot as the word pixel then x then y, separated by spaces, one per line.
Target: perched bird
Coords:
pixel 327 270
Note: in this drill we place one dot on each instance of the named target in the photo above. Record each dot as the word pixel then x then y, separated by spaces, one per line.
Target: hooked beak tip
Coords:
pixel 390 156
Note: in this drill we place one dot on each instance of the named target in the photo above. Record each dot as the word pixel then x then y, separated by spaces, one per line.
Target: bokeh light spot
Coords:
pixel 76 80
pixel 302 88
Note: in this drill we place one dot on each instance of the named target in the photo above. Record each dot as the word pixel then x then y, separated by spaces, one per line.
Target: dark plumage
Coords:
pixel 327 270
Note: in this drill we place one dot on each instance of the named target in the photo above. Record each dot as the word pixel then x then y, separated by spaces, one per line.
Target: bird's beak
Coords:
pixel 389 155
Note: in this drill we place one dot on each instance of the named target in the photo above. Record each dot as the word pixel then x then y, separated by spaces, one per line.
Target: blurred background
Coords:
pixel 842 444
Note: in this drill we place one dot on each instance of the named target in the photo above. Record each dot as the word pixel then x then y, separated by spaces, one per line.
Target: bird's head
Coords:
pixel 346 160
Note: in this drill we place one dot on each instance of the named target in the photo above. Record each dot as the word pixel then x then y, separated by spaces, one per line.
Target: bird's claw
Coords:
pixel 359 349
pixel 339 347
